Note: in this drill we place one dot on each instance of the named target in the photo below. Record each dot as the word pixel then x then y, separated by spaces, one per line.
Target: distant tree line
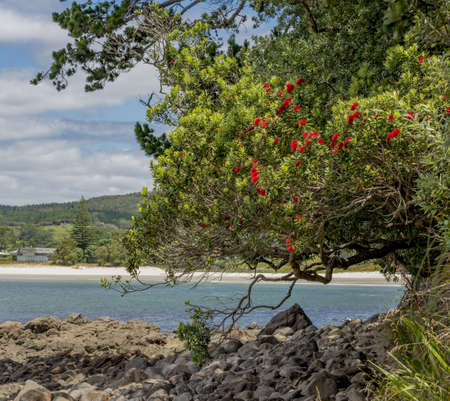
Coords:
pixel 81 241
pixel 86 243
pixel 116 210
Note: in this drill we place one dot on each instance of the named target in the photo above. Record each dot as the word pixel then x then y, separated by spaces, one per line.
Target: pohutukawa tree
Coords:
pixel 286 165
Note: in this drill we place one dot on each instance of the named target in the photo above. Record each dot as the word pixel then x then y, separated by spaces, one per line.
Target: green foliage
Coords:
pixel 151 145
pixel 420 368
pixel 8 238
pixel 423 371
pixel 111 253
pixel 196 335
pixel 115 210
pixel 347 203
pixel 82 233
pixel 67 253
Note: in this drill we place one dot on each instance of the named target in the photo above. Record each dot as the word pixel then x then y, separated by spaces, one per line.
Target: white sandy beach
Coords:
pixel 154 273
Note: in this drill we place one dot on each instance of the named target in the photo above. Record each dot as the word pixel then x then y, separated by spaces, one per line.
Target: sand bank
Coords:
pixel 154 273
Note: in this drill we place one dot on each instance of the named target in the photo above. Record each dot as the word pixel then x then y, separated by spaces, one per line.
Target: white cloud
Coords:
pixel 16 27
pixel 49 171
pixel 43 127
pixel 18 96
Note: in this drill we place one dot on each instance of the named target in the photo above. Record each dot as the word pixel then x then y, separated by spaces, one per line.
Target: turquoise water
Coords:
pixel 25 299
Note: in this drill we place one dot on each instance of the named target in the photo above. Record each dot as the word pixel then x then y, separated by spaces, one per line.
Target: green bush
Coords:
pixel 196 335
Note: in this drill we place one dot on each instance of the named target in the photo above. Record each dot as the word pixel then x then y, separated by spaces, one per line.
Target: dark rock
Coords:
pixel 267 339
pixel 42 324
pixel 293 317
pixel 232 346
pixel 136 363
pixel 183 397
pixel 321 384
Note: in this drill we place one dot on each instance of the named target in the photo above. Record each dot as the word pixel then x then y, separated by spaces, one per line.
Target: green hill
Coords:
pixel 115 210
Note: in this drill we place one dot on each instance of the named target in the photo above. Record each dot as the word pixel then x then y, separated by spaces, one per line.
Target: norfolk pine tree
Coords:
pixel 82 233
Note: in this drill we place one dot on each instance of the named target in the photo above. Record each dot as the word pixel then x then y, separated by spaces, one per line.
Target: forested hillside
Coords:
pixel 116 210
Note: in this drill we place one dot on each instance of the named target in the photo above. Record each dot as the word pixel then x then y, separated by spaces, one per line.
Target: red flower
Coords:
pixel 268 90
pixel 284 106
pixel 297 163
pixel 296 108
pixel 226 218
pixel 347 140
pixel 447 110
pixel 171 62
pixel 255 178
pixel 204 225
pixel 336 151
pixel 410 115
pixel 262 192
pixel 314 133
pixel 211 164
pixel 181 154
pixel 302 122
pixel 275 141
pixel 301 149
pixel 237 169
pixel 280 93
pixel 305 135
pixel 254 170
pixel 254 161
pixel 256 121
pixel 320 140
pixel 266 85
pixel 294 144
pixel 289 87
pixel 339 144
pixel 264 124
pixel 288 240
pixel 391 117
pixel 240 136
pixel 421 60
pixel 334 139
pixel 377 115
pixel 427 118
pixel 354 106
pixel 249 129
pixel 295 199
pixel 298 216
pixel 393 134
pixel 307 143
pixel 300 80
pixel 290 248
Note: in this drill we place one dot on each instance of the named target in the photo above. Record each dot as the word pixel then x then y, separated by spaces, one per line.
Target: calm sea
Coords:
pixel 25 299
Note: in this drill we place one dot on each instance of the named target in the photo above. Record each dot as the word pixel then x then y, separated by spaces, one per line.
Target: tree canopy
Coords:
pixel 322 145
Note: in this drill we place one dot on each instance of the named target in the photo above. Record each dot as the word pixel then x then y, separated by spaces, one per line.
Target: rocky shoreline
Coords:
pixel 48 359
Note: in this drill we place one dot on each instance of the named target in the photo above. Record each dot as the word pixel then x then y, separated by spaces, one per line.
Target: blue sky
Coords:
pixel 58 146
pixel 55 147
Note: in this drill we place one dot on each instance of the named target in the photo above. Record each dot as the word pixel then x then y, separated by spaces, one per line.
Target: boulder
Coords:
pixel 321 384
pixel 76 318
pixel 42 324
pixel 33 392
pixel 293 317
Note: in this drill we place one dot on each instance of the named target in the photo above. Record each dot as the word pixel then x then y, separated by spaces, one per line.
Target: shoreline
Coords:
pixel 154 274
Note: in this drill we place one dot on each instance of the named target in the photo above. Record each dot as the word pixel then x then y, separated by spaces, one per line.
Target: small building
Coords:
pixel 34 254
